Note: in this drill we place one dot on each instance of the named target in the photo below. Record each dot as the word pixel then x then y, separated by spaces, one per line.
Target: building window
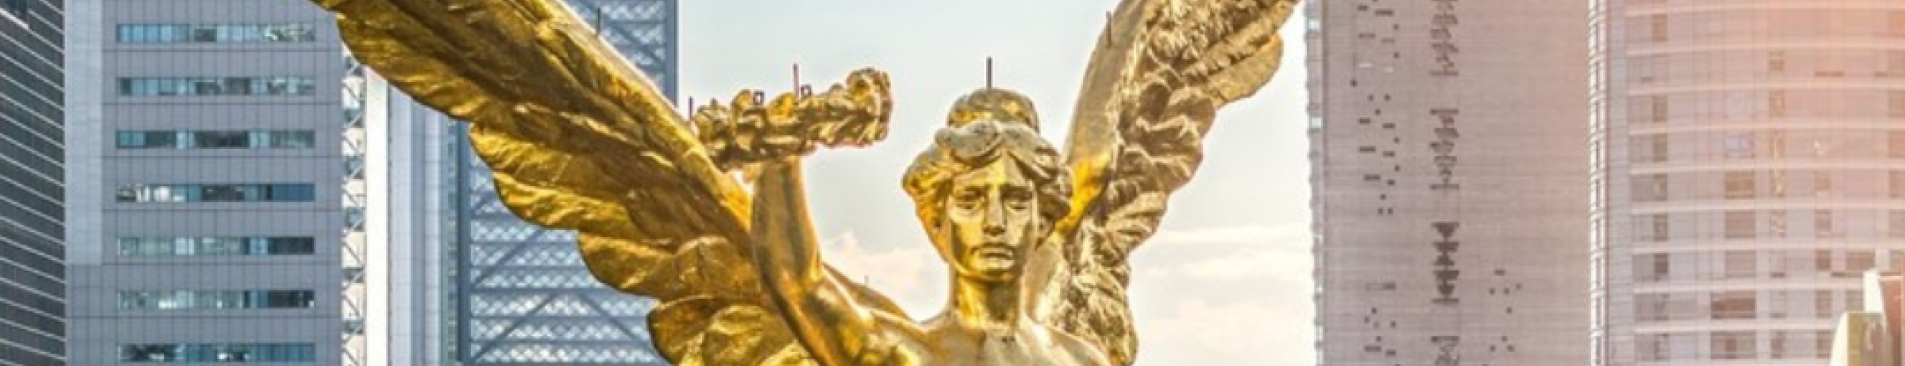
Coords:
pixel 1857 262
pixel 14 11
pixel 1822 225
pixel 216 86
pixel 216 33
pixel 1777 178
pixel 1657 224
pixel 1822 183
pixel 216 299
pixel 215 246
pixel 220 352
pixel 147 140
pixel 1734 305
pixel 218 139
pixel 1650 187
pixel 1658 106
pixel 1658 28
pixel 1895 183
pixel 1739 185
pixel 1652 268
pixel 1776 223
pixel 1776 103
pixel 1741 264
pixel 1896 107
pixel 1735 345
pixel 1739 145
pixel 1740 224
pixel 1776 144
pixel 1895 64
pixel 217 193
pixel 1895 225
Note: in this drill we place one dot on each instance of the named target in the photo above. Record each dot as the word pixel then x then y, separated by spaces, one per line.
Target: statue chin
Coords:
pixel 991 271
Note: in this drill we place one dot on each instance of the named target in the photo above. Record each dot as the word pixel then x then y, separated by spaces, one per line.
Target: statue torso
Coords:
pixel 943 343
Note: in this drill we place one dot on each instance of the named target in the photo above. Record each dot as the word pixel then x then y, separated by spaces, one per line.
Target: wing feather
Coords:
pixel 1161 71
pixel 579 139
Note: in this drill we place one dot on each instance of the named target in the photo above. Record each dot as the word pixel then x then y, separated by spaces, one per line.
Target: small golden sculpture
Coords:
pixel 1036 239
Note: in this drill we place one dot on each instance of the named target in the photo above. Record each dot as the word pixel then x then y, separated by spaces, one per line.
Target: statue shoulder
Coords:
pixel 1080 351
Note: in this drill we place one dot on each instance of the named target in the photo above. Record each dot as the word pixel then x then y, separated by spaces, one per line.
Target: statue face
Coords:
pixel 992 213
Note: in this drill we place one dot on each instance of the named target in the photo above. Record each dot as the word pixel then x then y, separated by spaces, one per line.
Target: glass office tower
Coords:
pixel 1748 166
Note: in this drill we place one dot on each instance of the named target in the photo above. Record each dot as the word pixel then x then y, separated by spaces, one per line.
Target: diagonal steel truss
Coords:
pixel 522 295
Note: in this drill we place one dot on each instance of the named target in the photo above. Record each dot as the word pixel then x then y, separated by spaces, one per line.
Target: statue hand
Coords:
pixel 752 130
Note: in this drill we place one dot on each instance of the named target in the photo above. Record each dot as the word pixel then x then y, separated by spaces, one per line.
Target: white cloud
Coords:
pixel 1224 295
pixel 912 276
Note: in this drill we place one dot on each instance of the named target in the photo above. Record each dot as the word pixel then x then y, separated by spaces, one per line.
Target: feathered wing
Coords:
pixel 579 139
pixel 1161 71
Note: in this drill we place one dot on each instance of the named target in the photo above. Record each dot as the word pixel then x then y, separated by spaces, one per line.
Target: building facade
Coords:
pixel 211 155
pixel 1448 153
pixel 1748 165
pixel 32 280
pixel 521 293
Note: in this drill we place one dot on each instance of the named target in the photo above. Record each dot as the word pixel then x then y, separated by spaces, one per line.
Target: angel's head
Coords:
pixel 989 188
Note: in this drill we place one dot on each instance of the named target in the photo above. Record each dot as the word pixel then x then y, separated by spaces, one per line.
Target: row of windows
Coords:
pixel 1773 144
pixel 1746 24
pixel 1753 265
pixel 1745 305
pixel 212 86
pixel 219 352
pixel 1769 184
pixel 217 139
pixel 1769 224
pixel 217 299
pixel 1764 65
pixel 1714 106
pixel 215 246
pixel 1734 345
pixel 216 33
pixel 217 193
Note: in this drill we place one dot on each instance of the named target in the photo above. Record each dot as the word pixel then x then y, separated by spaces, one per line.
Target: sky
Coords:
pixel 1226 281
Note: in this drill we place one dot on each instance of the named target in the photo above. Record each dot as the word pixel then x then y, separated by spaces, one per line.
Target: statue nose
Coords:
pixel 995 219
pixel 993 228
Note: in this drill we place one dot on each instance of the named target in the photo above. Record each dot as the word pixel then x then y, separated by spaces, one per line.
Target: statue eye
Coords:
pixel 1018 199
pixel 968 199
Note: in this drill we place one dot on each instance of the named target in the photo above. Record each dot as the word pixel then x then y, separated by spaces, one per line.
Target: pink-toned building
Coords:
pixel 1748 165
pixel 1449 148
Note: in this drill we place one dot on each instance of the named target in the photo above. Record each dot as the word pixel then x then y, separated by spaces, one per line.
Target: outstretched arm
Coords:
pixel 823 314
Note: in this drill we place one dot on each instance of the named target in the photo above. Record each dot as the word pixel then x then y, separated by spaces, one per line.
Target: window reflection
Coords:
pixel 216 299
pixel 233 352
pixel 216 33
pixel 213 86
pixel 217 193
pixel 215 246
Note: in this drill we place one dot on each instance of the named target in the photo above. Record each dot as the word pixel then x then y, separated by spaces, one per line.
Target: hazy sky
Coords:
pixel 1225 282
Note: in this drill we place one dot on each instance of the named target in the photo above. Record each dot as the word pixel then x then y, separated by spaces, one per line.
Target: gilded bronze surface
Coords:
pixel 1036 237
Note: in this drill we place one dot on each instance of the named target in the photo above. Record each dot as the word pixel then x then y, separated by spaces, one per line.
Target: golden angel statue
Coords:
pixel 1036 238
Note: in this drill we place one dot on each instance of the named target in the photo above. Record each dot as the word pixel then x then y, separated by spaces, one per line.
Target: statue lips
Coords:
pixel 994 255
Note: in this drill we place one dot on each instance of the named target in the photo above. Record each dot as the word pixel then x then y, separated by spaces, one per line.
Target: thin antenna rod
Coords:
pixel 796 76
pixel 598 19
pixel 988 72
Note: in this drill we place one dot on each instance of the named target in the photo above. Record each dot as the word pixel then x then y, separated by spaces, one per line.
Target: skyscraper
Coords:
pixel 522 294
pixel 1748 166
pixel 210 214
pixel 1448 149
pixel 32 281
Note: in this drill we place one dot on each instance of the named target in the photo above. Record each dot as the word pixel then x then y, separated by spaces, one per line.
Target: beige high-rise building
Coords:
pixel 1449 146
pixel 1749 164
